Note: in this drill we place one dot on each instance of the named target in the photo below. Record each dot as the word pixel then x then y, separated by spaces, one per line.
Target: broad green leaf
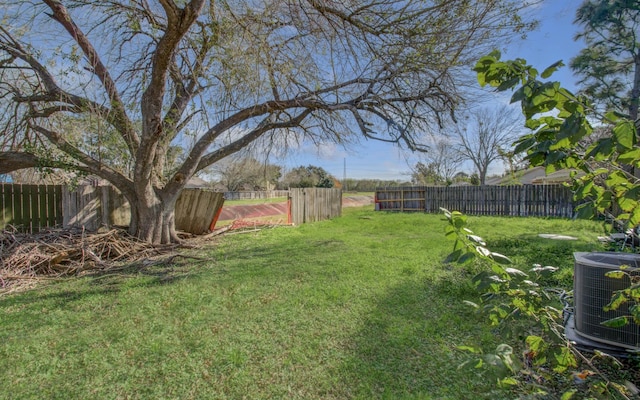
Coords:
pixel 601 150
pixel 586 210
pixel 450 232
pixel 634 310
pixel 499 258
pixel 617 322
pixel 515 272
pixel 454 256
pixel 509 381
pixel 625 134
pixel 628 202
pixel 518 95
pixel 508 84
pixel 476 239
pixel 466 257
pixel 615 274
pixel 446 212
pixel 533 124
pixel 535 343
pixel 504 350
pixel 458 219
pixel 499 270
pixel 568 395
pixel 524 144
pixel 483 251
pixel 482 77
pixel 470 303
pixel 634 219
pixel 561 144
pixel 564 360
pixel 548 268
pixel 634 291
pixel 551 69
pixel 616 178
pixel 497 279
pixel 629 157
pixel 614 116
pixel 470 349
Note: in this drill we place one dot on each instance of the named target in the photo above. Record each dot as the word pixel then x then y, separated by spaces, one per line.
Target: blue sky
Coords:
pixel 550 42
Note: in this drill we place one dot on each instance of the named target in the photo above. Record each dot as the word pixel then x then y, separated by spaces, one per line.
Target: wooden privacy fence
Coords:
pixel 31 208
pixel 198 210
pixel 94 206
pixel 195 212
pixel 516 200
pixel 314 204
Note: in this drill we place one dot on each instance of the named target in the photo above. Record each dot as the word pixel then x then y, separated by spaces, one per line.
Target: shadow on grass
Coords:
pixel 71 289
pixel 407 346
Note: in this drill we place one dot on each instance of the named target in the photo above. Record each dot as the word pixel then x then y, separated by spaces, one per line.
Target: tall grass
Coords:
pixel 357 307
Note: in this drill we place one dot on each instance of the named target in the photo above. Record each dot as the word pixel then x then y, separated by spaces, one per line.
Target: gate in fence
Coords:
pixel 314 204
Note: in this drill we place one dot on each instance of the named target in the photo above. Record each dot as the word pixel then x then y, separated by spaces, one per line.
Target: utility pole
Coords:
pixel 344 175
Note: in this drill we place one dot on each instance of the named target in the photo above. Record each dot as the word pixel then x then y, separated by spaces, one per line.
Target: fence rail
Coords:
pixel 516 200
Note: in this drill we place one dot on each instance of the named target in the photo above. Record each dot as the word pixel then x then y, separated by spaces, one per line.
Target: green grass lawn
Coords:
pixel 359 307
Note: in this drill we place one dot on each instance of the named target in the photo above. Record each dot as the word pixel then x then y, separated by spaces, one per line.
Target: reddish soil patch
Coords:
pixel 356 201
pixel 252 211
pixel 230 213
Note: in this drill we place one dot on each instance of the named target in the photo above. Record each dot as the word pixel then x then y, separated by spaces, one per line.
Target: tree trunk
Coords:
pixel 153 217
pixel 634 102
pixel 482 172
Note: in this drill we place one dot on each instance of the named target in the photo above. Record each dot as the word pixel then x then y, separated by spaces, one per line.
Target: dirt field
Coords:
pixel 275 212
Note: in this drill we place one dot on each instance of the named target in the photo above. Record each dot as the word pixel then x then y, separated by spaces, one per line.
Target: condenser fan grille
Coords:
pixel 593 291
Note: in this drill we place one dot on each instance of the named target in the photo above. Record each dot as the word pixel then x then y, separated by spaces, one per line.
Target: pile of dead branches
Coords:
pixel 58 253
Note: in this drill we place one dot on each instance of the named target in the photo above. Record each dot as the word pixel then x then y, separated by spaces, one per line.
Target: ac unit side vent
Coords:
pixel 593 290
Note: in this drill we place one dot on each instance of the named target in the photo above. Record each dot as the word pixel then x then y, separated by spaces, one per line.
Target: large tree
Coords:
pixel 309 176
pixel 609 65
pixel 439 163
pixel 215 76
pixel 485 136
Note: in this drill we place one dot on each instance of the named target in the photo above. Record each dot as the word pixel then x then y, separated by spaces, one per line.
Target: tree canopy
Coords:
pixel 609 65
pixel 485 135
pixel 559 121
pixel 309 176
pixel 243 172
pixel 146 93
